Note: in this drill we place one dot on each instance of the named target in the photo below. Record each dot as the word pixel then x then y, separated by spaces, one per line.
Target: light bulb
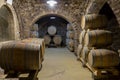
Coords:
pixel 52 2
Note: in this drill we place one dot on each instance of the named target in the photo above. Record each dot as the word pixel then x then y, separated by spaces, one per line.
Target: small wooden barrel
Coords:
pixel 20 56
pixel 57 39
pixel 98 38
pixel 70 44
pixel 34 27
pixel 34 34
pixel 79 50
pixel 70 48
pixel 93 21
pixel 84 53
pixel 70 34
pixel 47 39
pixel 103 58
pixel 82 37
pixel 67 40
pixel 69 27
pixel 52 30
pixel 38 41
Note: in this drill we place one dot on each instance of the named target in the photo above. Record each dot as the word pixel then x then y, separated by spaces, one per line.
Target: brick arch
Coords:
pixel 68 18
pixel 96 6
pixel 14 21
pixel 41 16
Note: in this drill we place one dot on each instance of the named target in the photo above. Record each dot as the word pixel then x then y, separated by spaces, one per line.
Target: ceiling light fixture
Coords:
pixel 52 2
pixel 9 2
pixel 52 17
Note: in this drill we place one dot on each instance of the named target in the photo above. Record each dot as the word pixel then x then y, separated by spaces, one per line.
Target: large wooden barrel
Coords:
pixel 70 34
pixel 70 44
pixel 38 41
pixel 52 30
pixel 57 39
pixel 103 58
pixel 20 56
pixel 84 53
pixel 79 50
pixel 98 38
pixel 69 27
pixel 93 21
pixel 82 37
pixel 47 39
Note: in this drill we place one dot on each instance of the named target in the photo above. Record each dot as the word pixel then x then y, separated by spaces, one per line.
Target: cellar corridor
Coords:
pixel 59 39
pixel 61 64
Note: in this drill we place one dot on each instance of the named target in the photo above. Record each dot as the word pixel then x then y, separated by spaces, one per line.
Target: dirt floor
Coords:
pixel 61 64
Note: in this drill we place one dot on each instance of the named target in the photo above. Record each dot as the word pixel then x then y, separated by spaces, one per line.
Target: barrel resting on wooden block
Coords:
pixel 31 75
pixel 101 72
pixel 27 54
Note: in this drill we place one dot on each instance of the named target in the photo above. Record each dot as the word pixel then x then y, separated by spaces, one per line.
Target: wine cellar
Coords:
pixel 59 39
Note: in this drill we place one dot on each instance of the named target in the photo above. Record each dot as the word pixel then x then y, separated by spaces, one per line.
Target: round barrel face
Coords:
pixel 47 39
pixel 70 34
pixel 82 37
pixel 85 53
pixel 79 50
pixel 57 39
pixel 69 27
pixel 52 30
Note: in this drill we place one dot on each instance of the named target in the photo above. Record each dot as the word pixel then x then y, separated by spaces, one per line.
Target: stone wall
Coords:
pixel 30 11
pixel 96 5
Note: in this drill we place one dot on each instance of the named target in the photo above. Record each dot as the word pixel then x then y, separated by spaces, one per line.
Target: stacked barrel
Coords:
pixel 52 37
pixel 34 31
pixel 23 55
pixel 70 37
pixel 95 42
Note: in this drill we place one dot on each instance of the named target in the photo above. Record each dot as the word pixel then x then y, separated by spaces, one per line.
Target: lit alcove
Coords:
pixel 112 26
pixel 7 24
pixel 50 25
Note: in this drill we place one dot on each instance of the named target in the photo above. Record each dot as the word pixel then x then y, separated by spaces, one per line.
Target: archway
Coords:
pixel 9 24
pixel 52 20
pixel 113 25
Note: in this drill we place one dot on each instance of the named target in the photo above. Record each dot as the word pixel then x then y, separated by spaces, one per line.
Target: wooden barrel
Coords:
pixel 84 53
pixel 79 50
pixel 93 21
pixel 67 40
pixel 47 39
pixel 38 41
pixel 57 39
pixel 20 56
pixel 98 38
pixel 34 34
pixel 34 27
pixel 69 27
pixel 70 34
pixel 52 30
pixel 82 36
pixel 103 58
pixel 70 48
pixel 70 44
